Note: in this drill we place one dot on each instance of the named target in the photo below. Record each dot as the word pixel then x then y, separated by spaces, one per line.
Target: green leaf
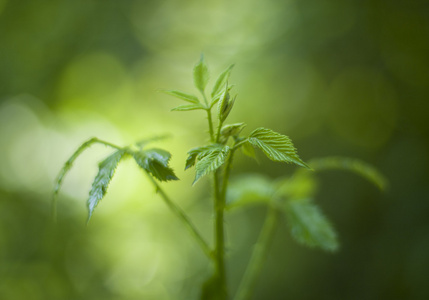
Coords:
pixel 231 130
pixel 182 95
pixel 210 161
pixel 199 152
pixel 354 165
pixel 276 146
pixel 155 162
pixel 249 189
pixel 309 226
pixel 106 170
pixel 221 81
pixel 188 107
pixel 201 75
pixel 217 97
pixel 69 163
pixel 248 150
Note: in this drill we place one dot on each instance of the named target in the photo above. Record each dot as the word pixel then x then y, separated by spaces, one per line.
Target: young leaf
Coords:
pixel 210 161
pixel 354 165
pixel 221 80
pixel 249 189
pixel 106 170
pixel 217 97
pixel 155 162
pixel 276 146
pixel 188 107
pixel 231 130
pixel 199 152
pixel 309 226
pixel 248 150
pixel 183 96
pixel 69 163
pixel 201 75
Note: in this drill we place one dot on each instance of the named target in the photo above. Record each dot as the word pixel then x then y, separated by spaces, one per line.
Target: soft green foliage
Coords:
pixel 250 189
pixel 290 197
pixel 309 226
pixel 106 170
pixel 155 162
pixel 276 146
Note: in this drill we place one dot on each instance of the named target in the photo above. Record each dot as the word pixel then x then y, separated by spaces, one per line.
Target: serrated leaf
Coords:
pixel 106 170
pixel 210 161
pixel 276 146
pixel 221 81
pixel 249 189
pixel 350 164
pixel 182 95
pixel 198 152
pixel 201 75
pixel 309 226
pixel 188 107
pixel 155 162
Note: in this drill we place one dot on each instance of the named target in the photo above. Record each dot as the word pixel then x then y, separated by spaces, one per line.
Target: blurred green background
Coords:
pixel 339 77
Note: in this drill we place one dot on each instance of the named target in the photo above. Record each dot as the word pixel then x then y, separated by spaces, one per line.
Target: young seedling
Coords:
pixel 291 197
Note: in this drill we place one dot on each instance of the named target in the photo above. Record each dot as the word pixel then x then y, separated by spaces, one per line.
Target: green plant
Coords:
pixel 291 197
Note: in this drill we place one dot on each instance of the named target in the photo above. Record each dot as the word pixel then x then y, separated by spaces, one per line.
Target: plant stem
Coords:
pixel 247 285
pixel 219 207
pixel 183 217
pixel 209 117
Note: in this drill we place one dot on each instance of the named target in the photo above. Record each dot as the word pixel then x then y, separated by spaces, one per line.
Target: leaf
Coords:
pixel 231 130
pixel 217 97
pixel 354 165
pixel 309 226
pixel 201 75
pixel 198 152
pixel 106 170
pixel 69 163
pixel 249 189
pixel 210 161
pixel 221 81
pixel 276 146
pixel 182 95
pixel 248 150
pixel 188 107
pixel 155 162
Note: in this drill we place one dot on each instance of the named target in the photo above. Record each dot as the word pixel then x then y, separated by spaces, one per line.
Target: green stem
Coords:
pixel 184 218
pixel 209 117
pixel 247 285
pixel 211 131
pixel 220 198
pixel 220 271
